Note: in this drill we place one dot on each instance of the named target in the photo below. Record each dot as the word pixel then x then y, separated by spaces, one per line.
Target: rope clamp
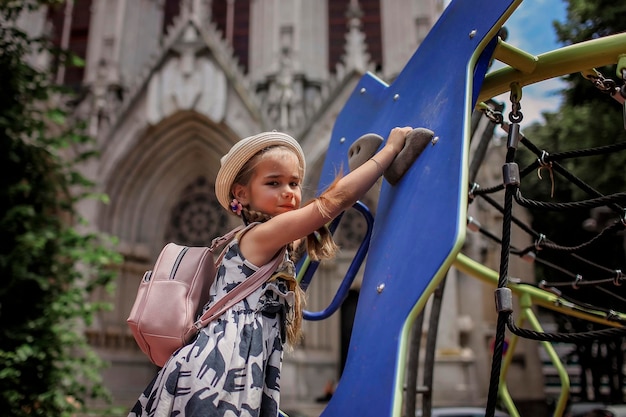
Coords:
pixel 504 300
pixel 529 257
pixel 577 281
pixel 510 173
pixel 544 286
pixel 513 136
pixel 619 276
pixel 494 116
pixel 540 241
pixel 542 159
pixel 474 187
pixel 473 224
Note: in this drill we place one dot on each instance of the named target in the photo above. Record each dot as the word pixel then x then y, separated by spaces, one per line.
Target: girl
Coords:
pixel 233 367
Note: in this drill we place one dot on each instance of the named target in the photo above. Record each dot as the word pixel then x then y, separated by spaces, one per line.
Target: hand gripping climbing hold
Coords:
pixel 366 146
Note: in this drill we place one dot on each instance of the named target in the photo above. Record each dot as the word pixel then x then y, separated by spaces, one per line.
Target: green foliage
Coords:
pixel 590 19
pixel 587 118
pixel 48 264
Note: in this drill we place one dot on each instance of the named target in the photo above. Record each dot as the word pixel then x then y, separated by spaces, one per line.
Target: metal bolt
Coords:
pixel 342 140
pixel 434 140
pixel 472 34
pixel 363 90
pixel 380 288
pixel 396 96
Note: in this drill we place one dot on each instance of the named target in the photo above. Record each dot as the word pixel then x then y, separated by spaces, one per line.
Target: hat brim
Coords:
pixel 241 152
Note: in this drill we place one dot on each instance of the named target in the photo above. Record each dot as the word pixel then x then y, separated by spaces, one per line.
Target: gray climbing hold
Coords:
pixel 363 149
pixel 416 141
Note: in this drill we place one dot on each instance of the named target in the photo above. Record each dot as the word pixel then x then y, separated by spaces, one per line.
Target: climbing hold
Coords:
pixel 416 141
pixel 363 149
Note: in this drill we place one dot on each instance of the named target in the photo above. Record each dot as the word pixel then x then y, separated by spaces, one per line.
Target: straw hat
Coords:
pixel 241 152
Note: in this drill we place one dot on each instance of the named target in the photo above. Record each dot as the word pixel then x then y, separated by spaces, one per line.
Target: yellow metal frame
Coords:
pixel 526 69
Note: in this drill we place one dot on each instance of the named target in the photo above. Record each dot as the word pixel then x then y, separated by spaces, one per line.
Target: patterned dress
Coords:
pixel 233 367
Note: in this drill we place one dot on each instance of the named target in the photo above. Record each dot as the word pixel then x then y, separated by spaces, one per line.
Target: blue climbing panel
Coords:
pixel 420 222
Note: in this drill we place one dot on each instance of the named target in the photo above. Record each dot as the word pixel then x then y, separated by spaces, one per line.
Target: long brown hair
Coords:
pixel 319 244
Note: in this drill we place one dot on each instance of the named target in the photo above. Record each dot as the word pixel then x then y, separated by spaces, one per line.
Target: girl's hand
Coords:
pixel 397 138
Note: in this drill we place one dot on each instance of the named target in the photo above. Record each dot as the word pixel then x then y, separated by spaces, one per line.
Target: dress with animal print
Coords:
pixel 233 367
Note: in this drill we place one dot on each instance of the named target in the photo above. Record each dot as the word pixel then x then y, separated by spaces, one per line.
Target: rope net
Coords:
pixel 587 274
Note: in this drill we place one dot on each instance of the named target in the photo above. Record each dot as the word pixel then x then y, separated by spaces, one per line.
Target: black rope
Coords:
pixel 515 220
pixel 512 192
pixel 578 153
pixel 595 265
pixel 498 348
pixel 590 203
pixel 523 173
pixel 532 249
pixel 604 290
pixel 551 161
pixel 582 185
pixel 582 282
pixel 490 190
pixel 559 156
pixel 556 267
pixel 564 337
pixel 616 276
pixel 616 280
pixel 545 243
pixel 548 244
pixel 574 304
pixel 490 235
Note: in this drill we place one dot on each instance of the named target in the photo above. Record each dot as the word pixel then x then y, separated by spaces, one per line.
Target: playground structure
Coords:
pixel 395 289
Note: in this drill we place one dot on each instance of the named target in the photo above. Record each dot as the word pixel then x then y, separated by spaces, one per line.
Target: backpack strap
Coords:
pixel 220 240
pixel 241 291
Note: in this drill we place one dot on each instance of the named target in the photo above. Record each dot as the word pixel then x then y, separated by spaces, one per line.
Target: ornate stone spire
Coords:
pixel 284 104
pixel 198 11
pixel 356 56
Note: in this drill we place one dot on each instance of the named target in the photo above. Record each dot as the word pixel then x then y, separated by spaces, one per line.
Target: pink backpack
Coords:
pixel 173 293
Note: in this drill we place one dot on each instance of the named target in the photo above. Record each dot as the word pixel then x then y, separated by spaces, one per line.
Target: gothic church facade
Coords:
pixel 170 85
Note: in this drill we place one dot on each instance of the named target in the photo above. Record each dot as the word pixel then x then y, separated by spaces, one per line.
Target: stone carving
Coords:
pixel 188 81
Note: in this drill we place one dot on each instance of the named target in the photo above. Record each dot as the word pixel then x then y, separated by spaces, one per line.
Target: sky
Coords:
pixel 530 29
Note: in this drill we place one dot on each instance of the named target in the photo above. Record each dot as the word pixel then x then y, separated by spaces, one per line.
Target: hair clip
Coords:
pixel 236 207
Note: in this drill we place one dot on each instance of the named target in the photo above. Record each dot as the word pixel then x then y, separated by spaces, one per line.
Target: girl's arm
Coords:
pixel 262 242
